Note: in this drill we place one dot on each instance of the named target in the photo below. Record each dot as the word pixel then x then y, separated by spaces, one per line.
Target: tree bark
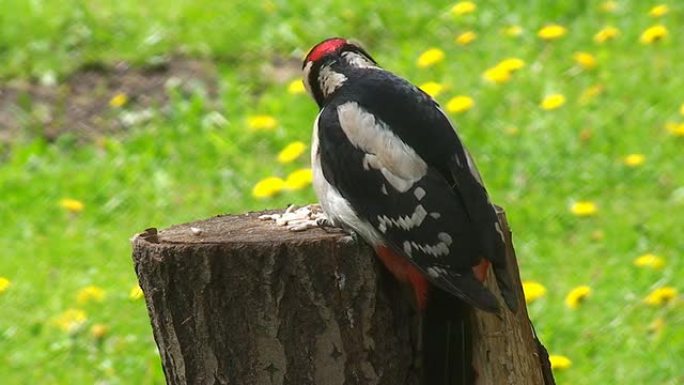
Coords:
pixel 236 300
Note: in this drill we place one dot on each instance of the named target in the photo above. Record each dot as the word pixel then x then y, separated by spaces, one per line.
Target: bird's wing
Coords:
pixel 409 203
pixel 424 126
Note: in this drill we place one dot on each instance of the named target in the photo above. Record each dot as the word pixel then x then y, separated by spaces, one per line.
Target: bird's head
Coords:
pixel 330 63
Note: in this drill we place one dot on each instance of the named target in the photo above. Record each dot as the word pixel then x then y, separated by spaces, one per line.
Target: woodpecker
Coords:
pixel 388 165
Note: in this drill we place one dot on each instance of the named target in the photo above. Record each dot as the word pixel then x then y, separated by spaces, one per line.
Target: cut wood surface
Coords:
pixel 237 300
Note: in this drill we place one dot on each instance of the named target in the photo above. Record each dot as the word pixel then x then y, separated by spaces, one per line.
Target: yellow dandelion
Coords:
pixel 634 160
pixel 585 60
pixel 590 93
pixel 71 320
pixel 463 8
pixel 651 261
pixel 460 104
pixel 653 34
pixel 661 296
pixel 72 205
pixel 296 87
pixel 559 362
pixel 584 209
pixel 118 100
pixel 609 6
pixel 676 129
pixel 511 64
pixel 466 38
pixel 576 296
pixel 299 179
pixel 552 32
pixel 430 57
pixel 497 75
pixel 135 293
pixel 262 123
pixel 513 31
pixel 291 152
pixel 99 331
pixel 552 102
pixel 502 71
pixel 605 34
pixel 533 291
pixel 432 88
pixel 659 10
pixel 90 293
pixel 268 187
pixel 4 284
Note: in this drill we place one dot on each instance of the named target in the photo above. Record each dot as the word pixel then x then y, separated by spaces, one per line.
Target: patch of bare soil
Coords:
pixel 85 104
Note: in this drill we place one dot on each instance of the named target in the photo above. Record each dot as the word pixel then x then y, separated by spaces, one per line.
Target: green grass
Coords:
pixel 183 165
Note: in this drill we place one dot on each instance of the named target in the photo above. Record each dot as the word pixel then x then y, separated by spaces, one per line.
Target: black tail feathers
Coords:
pixel 447 342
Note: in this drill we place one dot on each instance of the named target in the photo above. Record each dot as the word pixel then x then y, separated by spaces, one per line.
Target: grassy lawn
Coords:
pixel 581 208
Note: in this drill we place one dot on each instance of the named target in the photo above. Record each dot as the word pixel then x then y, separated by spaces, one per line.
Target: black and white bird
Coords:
pixel 389 166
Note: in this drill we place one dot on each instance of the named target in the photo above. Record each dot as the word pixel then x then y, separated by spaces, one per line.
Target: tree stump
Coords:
pixel 236 300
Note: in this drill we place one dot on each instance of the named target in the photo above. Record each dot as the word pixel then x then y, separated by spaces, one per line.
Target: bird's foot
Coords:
pixel 300 219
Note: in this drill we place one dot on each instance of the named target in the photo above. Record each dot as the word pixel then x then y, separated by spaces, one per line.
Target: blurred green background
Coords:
pixel 118 116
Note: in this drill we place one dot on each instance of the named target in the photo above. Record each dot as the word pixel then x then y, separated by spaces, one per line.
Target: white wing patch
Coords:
pixel 446 238
pixel 402 185
pixel 398 163
pixel 436 271
pixel 419 192
pixel 404 222
pixel 436 250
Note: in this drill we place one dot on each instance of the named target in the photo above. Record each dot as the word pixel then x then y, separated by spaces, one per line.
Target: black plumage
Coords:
pixel 452 189
pixel 389 165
